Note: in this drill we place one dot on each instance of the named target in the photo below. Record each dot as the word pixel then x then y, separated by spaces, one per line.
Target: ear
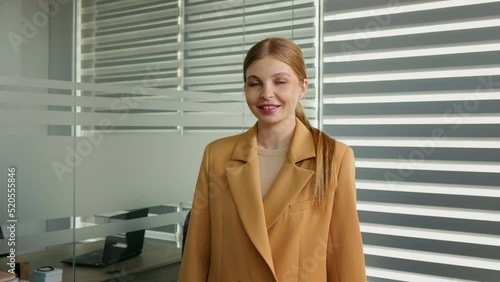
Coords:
pixel 304 85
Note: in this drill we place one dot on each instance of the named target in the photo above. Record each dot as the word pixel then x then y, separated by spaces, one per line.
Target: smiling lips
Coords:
pixel 268 109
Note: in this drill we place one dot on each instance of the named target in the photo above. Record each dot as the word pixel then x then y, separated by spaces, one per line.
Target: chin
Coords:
pixel 268 120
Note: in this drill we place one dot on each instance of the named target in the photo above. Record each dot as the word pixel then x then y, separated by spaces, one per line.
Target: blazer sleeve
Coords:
pixel 195 262
pixel 345 259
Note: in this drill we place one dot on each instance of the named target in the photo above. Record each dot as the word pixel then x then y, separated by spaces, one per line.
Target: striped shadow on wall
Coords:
pixel 413 87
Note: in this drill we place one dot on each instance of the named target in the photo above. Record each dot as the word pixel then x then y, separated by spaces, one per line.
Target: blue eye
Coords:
pixel 253 84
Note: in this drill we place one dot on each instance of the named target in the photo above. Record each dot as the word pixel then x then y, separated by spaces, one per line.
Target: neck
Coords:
pixel 275 136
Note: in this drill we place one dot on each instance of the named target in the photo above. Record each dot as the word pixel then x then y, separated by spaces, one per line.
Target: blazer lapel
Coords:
pixel 292 178
pixel 244 182
pixel 243 177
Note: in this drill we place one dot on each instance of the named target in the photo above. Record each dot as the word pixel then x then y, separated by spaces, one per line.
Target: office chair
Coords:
pixel 185 231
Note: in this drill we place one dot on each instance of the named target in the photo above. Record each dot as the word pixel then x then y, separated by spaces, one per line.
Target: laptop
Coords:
pixel 116 248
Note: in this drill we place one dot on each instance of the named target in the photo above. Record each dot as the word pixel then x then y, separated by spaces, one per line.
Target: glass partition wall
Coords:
pixel 105 109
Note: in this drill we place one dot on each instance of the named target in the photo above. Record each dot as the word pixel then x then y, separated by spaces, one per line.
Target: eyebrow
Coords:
pixel 274 75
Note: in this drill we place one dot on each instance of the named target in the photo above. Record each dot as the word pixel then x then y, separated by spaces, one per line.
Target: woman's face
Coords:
pixel 272 91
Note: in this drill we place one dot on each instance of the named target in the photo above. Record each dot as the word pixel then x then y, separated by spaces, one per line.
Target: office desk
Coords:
pixel 153 258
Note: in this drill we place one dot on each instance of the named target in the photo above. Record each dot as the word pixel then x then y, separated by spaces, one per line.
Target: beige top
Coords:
pixel 270 163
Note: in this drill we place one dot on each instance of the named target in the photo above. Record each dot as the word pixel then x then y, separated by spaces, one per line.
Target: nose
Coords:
pixel 267 91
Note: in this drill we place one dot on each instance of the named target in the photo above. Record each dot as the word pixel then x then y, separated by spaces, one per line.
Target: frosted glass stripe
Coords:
pixel 21 117
pixel 153 103
pixel 109 88
pixel 141 89
pixel 219 120
pixel 202 131
pixel 116 227
pixel 218 87
pixel 159 103
pixel 42 240
pixel 35 82
pixel 28 98
pixel 429 188
pixel 448 259
pixel 222 78
pixel 459 213
pixel 170 82
pixel 125 119
pixel 407 276
pixel 431 234
pixel 135 78
pixel 418 163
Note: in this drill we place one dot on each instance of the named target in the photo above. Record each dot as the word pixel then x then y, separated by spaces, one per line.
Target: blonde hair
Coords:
pixel 289 53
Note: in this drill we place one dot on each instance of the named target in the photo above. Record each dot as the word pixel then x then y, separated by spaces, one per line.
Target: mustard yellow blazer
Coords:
pixel 235 235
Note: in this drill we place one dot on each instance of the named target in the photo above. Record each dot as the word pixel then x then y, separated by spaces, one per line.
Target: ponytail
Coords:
pixel 324 145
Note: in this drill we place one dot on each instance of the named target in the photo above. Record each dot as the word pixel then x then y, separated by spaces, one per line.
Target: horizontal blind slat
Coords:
pixel 413 88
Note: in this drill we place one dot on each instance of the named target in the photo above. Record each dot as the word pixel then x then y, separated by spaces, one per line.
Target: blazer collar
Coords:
pixel 301 148
pixel 258 215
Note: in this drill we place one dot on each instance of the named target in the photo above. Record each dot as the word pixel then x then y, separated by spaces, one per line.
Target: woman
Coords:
pixel 278 202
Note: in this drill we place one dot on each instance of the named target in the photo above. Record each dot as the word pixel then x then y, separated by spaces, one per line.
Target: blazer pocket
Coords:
pixel 304 205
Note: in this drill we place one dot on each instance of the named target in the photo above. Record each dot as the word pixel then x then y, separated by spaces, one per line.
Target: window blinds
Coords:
pixel 194 47
pixel 125 42
pixel 413 87
pixel 217 35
